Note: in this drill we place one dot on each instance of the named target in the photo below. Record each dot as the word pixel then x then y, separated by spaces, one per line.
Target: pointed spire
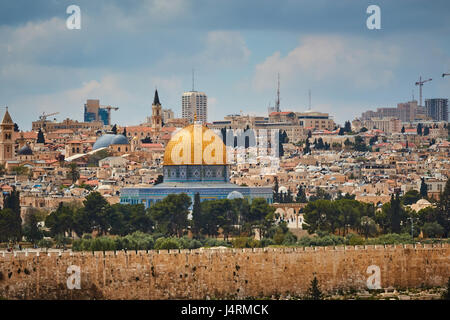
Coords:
pixel 156 99
pixel 7 118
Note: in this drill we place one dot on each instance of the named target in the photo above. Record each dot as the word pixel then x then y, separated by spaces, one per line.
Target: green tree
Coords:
pixel 446 293
pixel 61 221
pixel 12 201
pixel 319 215
pixel 307 148
pixel 140 219
pixel 301 195
pixel 276 194
pixel 242 208
pixel 159 179
pixel 170 214
pixel 347 126
pixel 433 230
pixel 348 143
pixel 314 292
pixel 31 230
pixel 403 129
pixel 369 226
pixel 423 188
pixel 261 215
pixel 411 197
pixel 93 216
pixel 197 217
pixel 360 144
pixel 20 170
pixel 219 214
pixel 419 129
pixel 9 228
pixel 392 215
pixel 40 137
pixel 443 207
pixel 93 159
pixel 320 194
pixel 74 173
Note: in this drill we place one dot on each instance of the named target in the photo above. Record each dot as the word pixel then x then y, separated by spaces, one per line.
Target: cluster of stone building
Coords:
pixel 124 165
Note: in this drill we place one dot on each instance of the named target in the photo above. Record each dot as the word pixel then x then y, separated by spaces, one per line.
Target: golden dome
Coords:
pixel 195 145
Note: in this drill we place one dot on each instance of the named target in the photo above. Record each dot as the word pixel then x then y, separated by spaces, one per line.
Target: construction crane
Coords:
pixel 445 74
pixel 44 116
pixel 109 108
pixel 420 84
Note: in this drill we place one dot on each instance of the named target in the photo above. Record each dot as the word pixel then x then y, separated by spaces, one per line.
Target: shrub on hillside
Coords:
pixel 167 244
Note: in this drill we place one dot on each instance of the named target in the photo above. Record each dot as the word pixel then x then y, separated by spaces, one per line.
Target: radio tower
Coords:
pixel 309 93
pixel 277 103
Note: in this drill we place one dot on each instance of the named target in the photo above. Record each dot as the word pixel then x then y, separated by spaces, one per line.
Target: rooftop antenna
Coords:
pixel 309 93
pixel 192 79
pixel 277 104
pixel 412 95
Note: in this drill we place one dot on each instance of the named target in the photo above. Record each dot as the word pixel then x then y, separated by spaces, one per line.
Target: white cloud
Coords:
pixel 221 49
pixel 225 48
pixel 359 62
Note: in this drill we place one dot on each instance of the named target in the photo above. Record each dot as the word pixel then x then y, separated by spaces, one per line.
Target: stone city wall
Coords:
pixel 218 273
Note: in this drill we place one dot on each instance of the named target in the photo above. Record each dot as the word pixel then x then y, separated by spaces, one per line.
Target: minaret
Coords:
pixel 6 142
pixel 156 114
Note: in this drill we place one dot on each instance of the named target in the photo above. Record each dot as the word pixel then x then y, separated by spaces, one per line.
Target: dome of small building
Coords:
pixel 25 151
pixel 423 202
pixel 235 195
pixel 119 139
pixel 108 139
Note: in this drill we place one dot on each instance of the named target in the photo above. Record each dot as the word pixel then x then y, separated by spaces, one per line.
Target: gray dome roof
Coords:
pixel 235 195
pixel 108 139
pixel 25 151
pixel 119 139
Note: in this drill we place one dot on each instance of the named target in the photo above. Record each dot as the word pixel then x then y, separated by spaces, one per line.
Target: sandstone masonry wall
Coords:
pixel 224 273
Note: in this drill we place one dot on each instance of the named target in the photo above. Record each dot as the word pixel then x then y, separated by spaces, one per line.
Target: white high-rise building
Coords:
pixel 194 103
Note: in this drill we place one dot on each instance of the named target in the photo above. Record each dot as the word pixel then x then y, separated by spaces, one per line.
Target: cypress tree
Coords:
pixel 314 292
pixel 423 188
pixel 40 137
pixel 196 215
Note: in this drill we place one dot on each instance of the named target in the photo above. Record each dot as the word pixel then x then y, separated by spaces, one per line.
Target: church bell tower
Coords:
pixel 6 141
pixel 156 114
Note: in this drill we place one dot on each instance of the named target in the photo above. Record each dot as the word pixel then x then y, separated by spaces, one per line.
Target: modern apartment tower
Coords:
pixel 93 111
pixel 194 104
pixel 437 109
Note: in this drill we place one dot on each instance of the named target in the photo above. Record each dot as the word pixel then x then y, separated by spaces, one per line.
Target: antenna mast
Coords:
pixel 192 79
pixel 309 93
pixel 277 106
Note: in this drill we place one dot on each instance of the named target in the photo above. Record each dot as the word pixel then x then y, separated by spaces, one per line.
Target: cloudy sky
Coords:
pixel 127 48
